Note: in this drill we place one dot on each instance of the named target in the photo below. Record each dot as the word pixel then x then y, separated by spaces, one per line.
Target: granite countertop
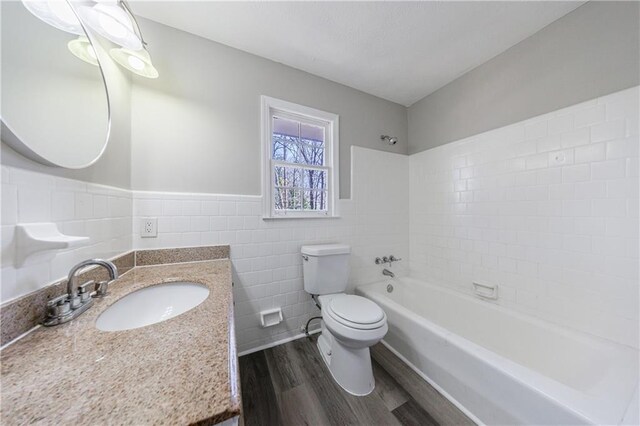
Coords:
pixel 180 371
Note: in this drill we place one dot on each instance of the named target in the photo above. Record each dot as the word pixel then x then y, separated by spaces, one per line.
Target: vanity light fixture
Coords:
pixel 138 61
pixel 57 13
pixel 82 49
pixel 110 19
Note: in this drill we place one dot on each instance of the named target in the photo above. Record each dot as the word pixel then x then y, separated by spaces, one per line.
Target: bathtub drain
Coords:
pixel 389 288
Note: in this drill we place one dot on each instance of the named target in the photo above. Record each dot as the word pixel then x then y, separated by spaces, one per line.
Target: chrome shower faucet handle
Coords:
pixel 384 260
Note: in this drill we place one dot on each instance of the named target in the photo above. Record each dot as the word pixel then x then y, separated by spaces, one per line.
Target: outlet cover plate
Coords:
pixel 149 227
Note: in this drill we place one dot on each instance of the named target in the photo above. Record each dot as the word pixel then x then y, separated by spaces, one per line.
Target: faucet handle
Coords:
pixel 84 292
pixel 385 259
pixel 58 306
pixel 101 288
pixel 56 300
pixel 392 258
pixel 378 261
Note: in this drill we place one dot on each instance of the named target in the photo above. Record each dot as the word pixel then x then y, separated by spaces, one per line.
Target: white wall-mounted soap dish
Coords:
pixel 32 238
pixel 271 317
pixel 486 290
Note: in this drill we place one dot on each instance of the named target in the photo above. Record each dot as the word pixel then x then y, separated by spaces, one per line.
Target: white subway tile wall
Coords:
pixel 546 208
pixel 82 209
pixel 265 254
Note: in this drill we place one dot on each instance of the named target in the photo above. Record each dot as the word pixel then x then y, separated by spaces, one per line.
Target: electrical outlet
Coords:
pixel 149 227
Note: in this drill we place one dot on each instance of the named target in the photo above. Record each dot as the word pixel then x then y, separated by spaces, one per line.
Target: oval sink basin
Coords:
pixel 151 305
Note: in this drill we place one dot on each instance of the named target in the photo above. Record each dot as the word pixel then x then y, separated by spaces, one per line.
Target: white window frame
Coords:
pixel 271 106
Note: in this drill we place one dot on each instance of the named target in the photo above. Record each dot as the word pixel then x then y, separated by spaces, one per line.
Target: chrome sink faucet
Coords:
pixel 388 273
pixel 78 299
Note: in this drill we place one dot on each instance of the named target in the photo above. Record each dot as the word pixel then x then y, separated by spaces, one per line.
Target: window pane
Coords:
pixel 297 188
pixel 314 179
pixel 287 177
pixel 284 126
pixel 296 177
pixel 312 143
pixel 296 142
pixel 315 200
pixel 312 133
pixel 285 139
pixel 287 199
pixel 285 148
pixel 311 153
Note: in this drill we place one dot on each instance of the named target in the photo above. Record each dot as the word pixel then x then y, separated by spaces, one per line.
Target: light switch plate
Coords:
pixel 149 227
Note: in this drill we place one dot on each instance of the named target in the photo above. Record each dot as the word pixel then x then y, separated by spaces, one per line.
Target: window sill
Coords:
pixel 269 218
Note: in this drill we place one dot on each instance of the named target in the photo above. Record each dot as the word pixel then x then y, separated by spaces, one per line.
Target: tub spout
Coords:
pixel 388 273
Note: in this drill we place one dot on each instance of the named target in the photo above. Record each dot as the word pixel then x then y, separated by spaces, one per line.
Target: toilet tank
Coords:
pixel 325 268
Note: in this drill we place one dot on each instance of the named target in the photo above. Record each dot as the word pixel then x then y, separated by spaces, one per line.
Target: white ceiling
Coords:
pixel 400 51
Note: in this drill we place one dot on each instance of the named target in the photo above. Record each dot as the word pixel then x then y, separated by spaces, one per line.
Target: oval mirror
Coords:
pixel 55 106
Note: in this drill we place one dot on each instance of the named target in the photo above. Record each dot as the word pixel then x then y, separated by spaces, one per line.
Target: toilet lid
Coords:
pixel 356 309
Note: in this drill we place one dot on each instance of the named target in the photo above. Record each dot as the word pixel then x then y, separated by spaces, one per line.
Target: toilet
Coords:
pixel 350 324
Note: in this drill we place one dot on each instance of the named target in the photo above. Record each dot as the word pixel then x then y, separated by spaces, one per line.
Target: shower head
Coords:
pixel 389 139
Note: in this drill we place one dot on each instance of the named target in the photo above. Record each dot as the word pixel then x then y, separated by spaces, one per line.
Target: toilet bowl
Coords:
pixel 355 321
pixel 351 324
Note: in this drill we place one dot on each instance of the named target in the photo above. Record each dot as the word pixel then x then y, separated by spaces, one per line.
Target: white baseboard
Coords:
pixel 434 384
pixel 277 343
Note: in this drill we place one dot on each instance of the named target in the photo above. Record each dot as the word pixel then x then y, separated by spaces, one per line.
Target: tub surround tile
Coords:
pixel 180 255
pixel 548 222
pixel 20 315
pixel 180 371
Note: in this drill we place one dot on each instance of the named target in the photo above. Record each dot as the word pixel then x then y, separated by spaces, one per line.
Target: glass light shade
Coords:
pixel 81 47
pixel 138 61
pixel 113 23
pixel 57 13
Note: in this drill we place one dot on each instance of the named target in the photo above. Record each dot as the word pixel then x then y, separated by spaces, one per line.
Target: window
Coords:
pixel 300 147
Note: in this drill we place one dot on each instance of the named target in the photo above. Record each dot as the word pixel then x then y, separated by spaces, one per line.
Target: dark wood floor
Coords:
pixel 291 385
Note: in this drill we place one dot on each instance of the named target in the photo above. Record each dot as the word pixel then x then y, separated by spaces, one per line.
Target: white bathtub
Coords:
pixel 503 367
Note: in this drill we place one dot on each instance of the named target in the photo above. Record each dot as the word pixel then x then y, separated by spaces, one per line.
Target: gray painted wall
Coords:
pixel 197 127
pixel 114 166
pixel 589 52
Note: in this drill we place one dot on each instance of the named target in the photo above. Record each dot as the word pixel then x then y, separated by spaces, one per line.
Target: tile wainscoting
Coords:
pixel 265 254
pixel 102 213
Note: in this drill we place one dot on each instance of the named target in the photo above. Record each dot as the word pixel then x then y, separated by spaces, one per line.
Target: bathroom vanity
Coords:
pixel 179 371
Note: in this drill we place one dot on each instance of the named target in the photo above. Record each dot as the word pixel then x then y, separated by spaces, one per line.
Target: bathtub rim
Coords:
pixel 436 386
pixel 590 408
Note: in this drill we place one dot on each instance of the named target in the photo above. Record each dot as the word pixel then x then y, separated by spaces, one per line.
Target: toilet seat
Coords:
pixel 356 312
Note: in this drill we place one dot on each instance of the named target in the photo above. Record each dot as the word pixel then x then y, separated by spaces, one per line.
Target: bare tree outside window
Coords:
pixel 300 175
